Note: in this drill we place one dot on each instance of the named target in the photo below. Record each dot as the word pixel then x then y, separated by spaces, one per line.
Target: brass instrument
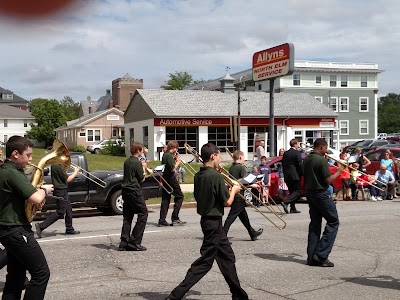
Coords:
pixel 59 154
pixel 230 181
pixel 189 168
pixel 87 175
pixel 162 182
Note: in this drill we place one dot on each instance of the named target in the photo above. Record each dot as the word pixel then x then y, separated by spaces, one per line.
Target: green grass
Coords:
pixel 188 197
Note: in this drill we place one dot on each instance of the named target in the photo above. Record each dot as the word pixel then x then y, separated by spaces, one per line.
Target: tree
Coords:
pixel 388 113
pixel 71 108
pixel 178 81
pixel 49 114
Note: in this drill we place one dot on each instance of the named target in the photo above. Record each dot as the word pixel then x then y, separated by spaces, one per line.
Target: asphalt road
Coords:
pixel 366 256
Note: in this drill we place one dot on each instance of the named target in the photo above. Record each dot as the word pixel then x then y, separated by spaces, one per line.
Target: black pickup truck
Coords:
pixel 84 192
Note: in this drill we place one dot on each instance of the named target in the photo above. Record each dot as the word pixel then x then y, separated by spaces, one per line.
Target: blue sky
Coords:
pixel 81 51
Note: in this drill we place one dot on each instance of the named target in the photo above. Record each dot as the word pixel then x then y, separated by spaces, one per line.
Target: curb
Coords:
pixel 184 205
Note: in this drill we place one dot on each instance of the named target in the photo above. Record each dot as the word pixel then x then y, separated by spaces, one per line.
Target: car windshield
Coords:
pixel 105 142
pixel 363 143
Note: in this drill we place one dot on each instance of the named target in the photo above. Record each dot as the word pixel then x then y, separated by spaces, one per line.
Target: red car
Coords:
pixel 273 189
pixel 375 157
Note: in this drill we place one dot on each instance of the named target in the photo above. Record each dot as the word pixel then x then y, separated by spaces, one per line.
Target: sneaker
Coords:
pixel 38 230
pixel 373 198
pixel 163 223
pixel 177 222
pixel 256 234
pixel 379 198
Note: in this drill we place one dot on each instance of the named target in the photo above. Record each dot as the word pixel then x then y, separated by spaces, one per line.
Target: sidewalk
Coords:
pixel 187 187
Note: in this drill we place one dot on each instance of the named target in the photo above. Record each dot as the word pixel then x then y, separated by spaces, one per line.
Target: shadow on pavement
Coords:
pixel 385 282
pixel 162 296
pixel 293 257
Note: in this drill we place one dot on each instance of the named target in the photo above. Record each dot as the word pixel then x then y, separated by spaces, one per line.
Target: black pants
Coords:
pixel 294 187
pixel 321 206
pixel 64 208
pixel 134 203
pixel 238 209
pixel 166 199
pixel 215 247
pixel 24 253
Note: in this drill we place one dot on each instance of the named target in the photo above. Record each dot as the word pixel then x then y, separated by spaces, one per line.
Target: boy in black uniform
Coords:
pixel 211 195
pixel 60 180
pixel 171 162
pixel 134 202
pixel 16 235
pixel 238 207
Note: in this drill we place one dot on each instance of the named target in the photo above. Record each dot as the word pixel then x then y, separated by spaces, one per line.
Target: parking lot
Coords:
pixel 366 257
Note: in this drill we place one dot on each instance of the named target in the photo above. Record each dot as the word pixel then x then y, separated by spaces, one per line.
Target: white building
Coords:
pixel 14 121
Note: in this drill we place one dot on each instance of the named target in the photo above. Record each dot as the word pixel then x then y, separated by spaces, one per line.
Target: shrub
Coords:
pixel 113 150
pixel 79 148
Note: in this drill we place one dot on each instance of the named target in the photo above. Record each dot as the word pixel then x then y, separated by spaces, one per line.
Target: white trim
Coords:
pixel 376 115
pixel 94 140
pixel 340 127
pixel 340 104
pixel 359 127
pixel 359 104
pixel 318 83
pixel 330 80
pixel 363 81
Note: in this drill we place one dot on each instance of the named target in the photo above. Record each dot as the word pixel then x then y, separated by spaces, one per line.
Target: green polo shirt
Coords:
pixel 15 189
pixel 210 192
pixel 237 170
pixel 133 174
pixel 59 176
pixel 169 162
pixel 316 170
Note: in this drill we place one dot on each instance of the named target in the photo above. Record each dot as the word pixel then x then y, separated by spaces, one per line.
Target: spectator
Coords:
pixel 260 151
pixel 283 190
pixel 388 161
pixel 266 171
pixel 180 170
pixel 382 176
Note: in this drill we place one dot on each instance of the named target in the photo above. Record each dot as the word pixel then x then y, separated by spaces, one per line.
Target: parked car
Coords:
pixel 94 149
pixel 367 145
pixel 84 192
pixel 2 144
pixel 375 157
pixel 382 136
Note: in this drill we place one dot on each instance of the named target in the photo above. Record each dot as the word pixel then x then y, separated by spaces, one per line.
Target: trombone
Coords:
pixel 230 181
pixel 89 176
pixel 189 168
pixel 162 182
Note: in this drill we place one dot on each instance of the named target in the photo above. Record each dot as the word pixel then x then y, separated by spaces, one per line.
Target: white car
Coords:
pixel 94 149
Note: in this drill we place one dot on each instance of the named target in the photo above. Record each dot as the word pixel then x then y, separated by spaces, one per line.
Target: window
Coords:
pixel 115 132
pixel 131 135
pixel 364 124
pixel 93 135
pixel 363 104
pixel 318 79
pixel 251 130
pixel 5 138
pixel 5 123
pixel 112 117
pixel 7 96
pixel 25 123
pixel 332 80
pixel 344 104
pixel 82 134
pixel 296 79
pixel 260 87
pixel 343 81
pixel 364 81
pixel 146 136
pixel 184 135
pixel 319 98
pixel 333 103
pixel 344 127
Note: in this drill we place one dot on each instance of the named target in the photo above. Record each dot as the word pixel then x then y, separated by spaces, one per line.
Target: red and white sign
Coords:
pixel 273 62
pixel 191 121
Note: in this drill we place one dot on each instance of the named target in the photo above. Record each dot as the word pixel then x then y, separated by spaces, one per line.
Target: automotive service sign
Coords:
pixel 273 62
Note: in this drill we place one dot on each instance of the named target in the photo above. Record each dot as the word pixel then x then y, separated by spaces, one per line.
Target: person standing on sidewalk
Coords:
pixel 171 161
pixel 317 178
pixel 211 196
pixel 60 180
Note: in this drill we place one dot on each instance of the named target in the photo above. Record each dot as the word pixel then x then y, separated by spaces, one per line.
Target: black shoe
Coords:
pixel 122 248
pixel 38 230
pixel 326 263
pixel 177 222
pixel 256 234
pixel 26 283
pixel 313 263
pixel 72 232
pixel 285 206
pixel 135 247
pixel 163 223
pixel 295 211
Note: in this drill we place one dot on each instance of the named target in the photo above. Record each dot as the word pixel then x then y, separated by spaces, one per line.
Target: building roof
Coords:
pixel 197 103
pixel 10 112
pixel 16 99
pixel 90 118
pixel 104 101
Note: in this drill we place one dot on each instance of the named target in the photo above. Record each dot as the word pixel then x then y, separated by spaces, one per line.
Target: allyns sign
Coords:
pixel 273 62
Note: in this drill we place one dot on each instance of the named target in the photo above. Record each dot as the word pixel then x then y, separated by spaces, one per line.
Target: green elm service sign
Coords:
pixel 273 62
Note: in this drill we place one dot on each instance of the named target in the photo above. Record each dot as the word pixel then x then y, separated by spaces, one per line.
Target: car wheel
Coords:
pixel 117 203
pixel 96 151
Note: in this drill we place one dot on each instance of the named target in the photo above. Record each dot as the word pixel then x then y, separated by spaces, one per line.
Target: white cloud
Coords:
pixel 80 52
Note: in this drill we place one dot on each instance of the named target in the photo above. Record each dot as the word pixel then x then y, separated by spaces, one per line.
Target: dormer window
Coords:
pixel 7 96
